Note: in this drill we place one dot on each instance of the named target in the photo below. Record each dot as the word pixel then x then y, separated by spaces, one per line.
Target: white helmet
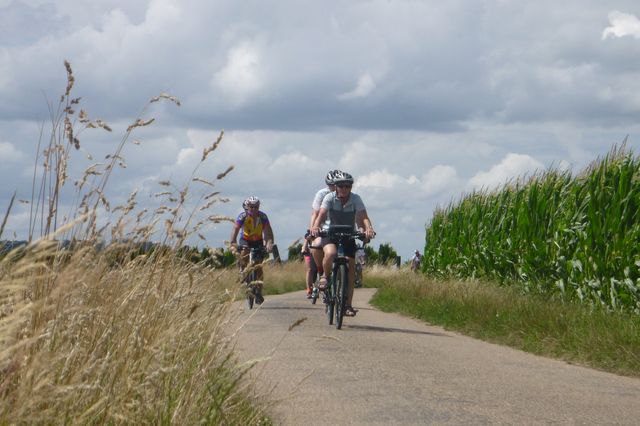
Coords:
pixel 252 201
pixel 342 177
pixel 329 178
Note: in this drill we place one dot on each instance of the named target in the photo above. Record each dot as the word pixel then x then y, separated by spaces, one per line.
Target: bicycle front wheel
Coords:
pixel 250 298
pixel 342 284
pixel 329 308
pixel 251 291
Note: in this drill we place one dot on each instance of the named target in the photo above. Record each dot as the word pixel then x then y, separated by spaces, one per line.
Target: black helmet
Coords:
pixel 342 178
pixel 328 179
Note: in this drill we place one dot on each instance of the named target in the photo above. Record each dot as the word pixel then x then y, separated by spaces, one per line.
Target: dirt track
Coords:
pixel 387 369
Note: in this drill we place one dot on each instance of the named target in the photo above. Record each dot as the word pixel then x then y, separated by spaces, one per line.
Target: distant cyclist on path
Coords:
pixel 415 261
pixel 256 232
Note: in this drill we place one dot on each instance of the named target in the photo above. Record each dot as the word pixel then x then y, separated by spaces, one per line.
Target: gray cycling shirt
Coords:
pixel 339 214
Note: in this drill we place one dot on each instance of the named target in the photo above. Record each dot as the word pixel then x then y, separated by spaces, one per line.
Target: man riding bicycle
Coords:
pixel 342 207
pixel 256 230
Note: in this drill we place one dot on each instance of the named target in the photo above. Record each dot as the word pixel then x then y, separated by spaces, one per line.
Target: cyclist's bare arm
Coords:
pixel 363 221
pixel 320 218
pixel 267 233
pixel 234 234
pixel 314 215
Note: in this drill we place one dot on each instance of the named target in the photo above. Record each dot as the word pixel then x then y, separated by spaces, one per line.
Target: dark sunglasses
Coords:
pixel 343 186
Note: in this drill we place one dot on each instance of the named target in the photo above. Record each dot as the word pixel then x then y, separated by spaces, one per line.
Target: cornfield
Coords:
pixel 575 237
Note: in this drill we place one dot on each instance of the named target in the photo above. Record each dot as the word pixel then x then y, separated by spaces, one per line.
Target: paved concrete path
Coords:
pixel 387 369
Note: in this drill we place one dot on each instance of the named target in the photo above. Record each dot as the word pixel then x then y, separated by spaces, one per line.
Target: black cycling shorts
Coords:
pixel 349 248
pixel 250 244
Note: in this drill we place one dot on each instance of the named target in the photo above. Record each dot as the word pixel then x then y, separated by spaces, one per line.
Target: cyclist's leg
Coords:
pixel 330 251
pixel 259 274
pixel 317 253
pixel 258 261
pixel 308 259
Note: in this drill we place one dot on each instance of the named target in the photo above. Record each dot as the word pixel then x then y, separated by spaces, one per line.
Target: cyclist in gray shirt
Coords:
pixel 342 207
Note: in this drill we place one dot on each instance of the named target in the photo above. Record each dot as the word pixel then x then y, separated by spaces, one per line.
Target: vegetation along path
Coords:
pixel 387 369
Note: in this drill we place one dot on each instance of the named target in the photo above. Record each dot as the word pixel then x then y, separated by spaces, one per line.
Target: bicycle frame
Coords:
pixel 254 287
pixel 338 287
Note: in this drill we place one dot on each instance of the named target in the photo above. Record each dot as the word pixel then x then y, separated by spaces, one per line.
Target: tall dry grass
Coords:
pixel 97 332
pixel 141 342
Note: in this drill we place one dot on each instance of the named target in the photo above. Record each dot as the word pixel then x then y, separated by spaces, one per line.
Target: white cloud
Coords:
pixel 439 178
pixel 9 153
pixel 186 156
pixel 622 24
pixel 407 220
pixel 363 88
pixel 293 161
pixel 359 155
pixel 511 167
pixel 240 77
pixel 163 13
pixel 380 179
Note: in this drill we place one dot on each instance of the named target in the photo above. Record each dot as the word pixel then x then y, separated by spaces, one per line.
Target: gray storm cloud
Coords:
pixel 419 100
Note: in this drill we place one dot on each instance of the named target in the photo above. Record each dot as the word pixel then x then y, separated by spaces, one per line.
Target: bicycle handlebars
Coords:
pixel 340 231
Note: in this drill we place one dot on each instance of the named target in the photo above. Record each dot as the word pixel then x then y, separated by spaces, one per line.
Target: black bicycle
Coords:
pixel 337 288
pixel 254 286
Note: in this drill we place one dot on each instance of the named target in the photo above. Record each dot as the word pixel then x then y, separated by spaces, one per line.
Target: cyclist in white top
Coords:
pixel 317 253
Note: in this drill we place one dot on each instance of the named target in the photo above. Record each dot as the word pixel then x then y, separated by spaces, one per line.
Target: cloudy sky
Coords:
pixel 420 100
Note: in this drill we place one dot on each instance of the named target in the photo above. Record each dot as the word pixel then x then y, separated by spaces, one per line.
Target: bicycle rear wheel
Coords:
pixel 342 283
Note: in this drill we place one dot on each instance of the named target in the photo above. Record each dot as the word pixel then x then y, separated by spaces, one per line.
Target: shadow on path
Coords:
pixel 293 308
pixel 392 330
